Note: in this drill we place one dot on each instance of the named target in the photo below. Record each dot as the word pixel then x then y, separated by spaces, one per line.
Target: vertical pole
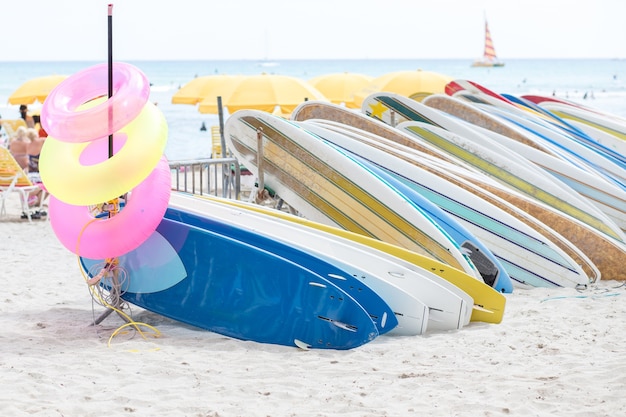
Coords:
pixel 220 112
pixel 226 171
pixel 110 49
pixel 111 263
pixel 259 161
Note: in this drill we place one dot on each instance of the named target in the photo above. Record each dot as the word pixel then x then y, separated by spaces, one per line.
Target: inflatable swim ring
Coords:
pixel 60 114
pixel 119 234
pixel 81 173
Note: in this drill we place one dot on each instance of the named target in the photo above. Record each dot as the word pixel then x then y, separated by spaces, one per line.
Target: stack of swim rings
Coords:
pixel 77 171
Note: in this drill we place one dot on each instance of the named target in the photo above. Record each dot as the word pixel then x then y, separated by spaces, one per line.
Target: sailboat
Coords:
pixel 266 62
pixel 489 58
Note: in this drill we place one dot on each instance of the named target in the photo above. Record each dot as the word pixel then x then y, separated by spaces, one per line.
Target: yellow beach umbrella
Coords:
pixel 340 87
pixel 36 89
pixel 205 87
pixel 415 84
pixel 267 92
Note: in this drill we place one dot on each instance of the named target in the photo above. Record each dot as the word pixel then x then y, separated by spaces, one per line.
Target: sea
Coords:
pixel 599 83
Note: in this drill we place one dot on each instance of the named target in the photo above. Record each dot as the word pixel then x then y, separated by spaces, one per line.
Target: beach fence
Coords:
pixel 212 176
pixel 222 177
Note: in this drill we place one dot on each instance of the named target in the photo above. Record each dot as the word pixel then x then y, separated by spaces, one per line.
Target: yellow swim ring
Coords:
pixel 83 174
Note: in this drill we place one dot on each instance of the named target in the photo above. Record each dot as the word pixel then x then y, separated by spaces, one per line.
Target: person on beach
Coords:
pixel 33 149
pixel 18 147
pixel 30 121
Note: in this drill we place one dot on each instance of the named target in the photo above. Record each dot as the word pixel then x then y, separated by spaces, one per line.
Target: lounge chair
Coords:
pixel 14 179
pixel 11 125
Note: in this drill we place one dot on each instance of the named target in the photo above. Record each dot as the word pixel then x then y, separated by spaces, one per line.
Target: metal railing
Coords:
pixel 217 176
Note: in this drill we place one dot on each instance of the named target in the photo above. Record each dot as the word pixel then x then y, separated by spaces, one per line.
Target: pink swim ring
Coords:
pixel 122 233
pixel 62 119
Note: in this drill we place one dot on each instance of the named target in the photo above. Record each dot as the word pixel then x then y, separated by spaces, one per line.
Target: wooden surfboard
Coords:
pixel 565 231
pixel 502 165
pixel 563 143
pixel 326 186
pixel 480 95
pixel 607 196
pixel 529 258
pixel 492 272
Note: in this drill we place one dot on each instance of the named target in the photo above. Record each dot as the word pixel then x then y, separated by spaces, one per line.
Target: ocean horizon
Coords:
pixel 599 83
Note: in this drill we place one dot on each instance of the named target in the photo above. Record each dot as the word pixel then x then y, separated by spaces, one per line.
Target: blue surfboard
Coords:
pixel 237 285
pixel 491 269
pixel 380 312
pixel 493 272
pixel 572 130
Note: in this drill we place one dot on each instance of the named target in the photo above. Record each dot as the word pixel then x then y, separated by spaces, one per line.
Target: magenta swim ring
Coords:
pixel 61 118
pixel 82 173
pixel 122 233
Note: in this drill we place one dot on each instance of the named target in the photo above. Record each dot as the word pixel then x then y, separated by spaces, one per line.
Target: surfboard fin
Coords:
pixel 302 345
pixel 339 324
pixel 481 308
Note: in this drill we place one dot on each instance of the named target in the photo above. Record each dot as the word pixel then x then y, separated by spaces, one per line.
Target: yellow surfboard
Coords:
pixel 488 303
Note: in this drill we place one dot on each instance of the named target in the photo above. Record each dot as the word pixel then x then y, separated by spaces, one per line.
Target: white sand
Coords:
pixel 558 352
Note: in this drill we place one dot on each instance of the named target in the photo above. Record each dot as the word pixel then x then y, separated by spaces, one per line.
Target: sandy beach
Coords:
pixel 558 352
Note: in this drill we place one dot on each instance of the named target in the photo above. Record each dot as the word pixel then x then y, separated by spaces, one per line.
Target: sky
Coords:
pixel 76 30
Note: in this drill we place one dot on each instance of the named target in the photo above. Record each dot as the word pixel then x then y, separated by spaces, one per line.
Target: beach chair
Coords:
pixel 11 125
pixel 216 142
pixel 14 179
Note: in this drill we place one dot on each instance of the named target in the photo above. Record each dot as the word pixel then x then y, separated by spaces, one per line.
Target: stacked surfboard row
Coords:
pixel 548 220
pixel 547 166
pixel 411 218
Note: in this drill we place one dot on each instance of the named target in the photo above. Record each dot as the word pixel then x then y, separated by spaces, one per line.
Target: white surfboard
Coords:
pixel 606 122
pixel 607 196
pixel 415 295
pixel 497 161
pixel 563 144
pixel 568 233
pixel 610 140
pixel 327 186
pixel 489 303
pixel 551 125
pixel 529 258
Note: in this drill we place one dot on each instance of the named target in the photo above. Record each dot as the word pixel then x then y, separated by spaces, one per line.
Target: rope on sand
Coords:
pixel 599 294
pixel 110 270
